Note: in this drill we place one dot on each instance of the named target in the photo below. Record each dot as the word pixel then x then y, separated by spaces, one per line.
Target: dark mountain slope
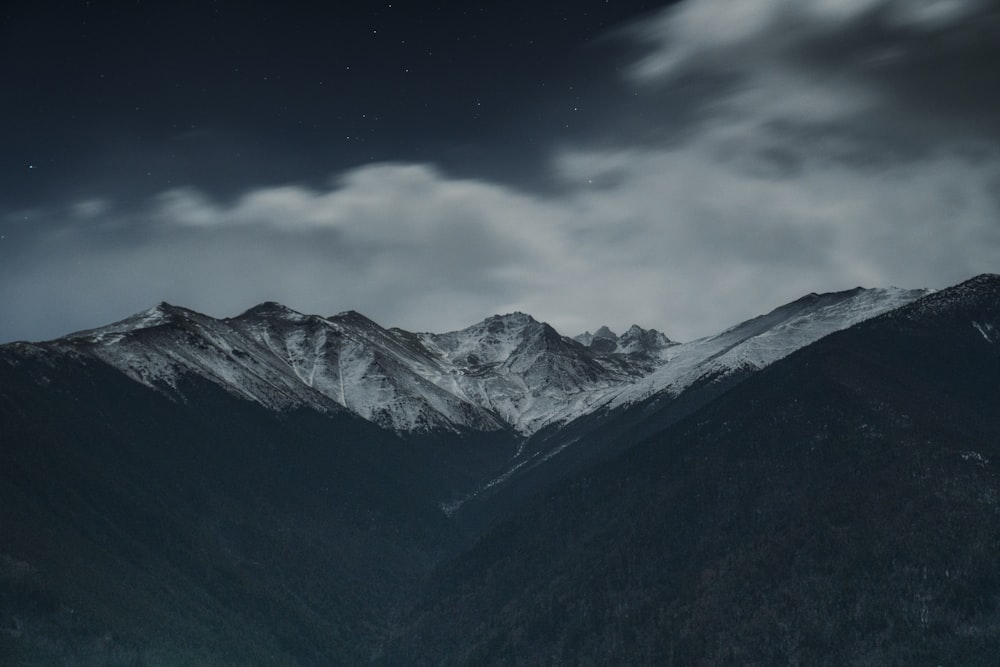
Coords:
pixel 840 507
pixel 693 375
pixel 561 451
pixel 137 530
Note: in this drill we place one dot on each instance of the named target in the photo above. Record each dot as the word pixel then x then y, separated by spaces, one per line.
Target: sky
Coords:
pixel 680 165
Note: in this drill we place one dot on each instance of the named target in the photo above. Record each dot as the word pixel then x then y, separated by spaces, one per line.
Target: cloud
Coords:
pixel 403 215
pixel 807 168
pixel 91 208
pixel 688 240
pixel 860 137
pixel 403 243
pixel 822 62
pixel 719 33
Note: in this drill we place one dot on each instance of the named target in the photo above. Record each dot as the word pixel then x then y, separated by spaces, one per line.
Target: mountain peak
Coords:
pixel 977 297
pixel 636 340
pixel 983 284
pixel 354 318
pixel 508 367
pixel 645 341
pixel 605 332
pixel 272 309
pixel 604 341
pixel 514 318
pixel 160 314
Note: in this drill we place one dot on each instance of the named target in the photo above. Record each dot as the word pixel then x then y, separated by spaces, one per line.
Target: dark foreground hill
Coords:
pixel 135 530
pixel 841 507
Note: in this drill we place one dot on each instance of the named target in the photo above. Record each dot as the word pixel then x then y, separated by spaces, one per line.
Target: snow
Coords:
pixel 987 331
pixel 508 371
pixel 761 341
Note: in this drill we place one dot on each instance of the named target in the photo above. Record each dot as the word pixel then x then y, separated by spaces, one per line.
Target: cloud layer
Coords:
pixel 810 168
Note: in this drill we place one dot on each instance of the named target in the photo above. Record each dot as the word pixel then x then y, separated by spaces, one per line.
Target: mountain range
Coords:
pixel 282 488
pixel 506 372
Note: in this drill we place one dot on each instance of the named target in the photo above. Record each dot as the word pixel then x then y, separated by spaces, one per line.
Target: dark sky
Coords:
pixel 128 99
pixel 677 165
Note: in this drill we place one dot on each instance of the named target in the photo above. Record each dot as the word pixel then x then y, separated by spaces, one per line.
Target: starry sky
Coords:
pixel 681 165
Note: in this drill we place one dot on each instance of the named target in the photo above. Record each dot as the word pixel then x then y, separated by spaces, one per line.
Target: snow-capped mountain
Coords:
pixel 731 355
pixel 530 375
pixel 506 372
pixel 761 341
pixel 636 341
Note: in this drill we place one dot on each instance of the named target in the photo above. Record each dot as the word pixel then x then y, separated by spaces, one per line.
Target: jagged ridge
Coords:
pixel 506 372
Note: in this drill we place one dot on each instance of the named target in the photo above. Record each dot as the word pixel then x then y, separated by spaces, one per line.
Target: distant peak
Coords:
pixel 649 341
pixel 605 332
pixel 636 330
pixel 348 315
pixel 516 316
pixel 161 314
pixel 353 318
pixel 516 320
pixel 271 309
pixel 162 309
pixel 982 280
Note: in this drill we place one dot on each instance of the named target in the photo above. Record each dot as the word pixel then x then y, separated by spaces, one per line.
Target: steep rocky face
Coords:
pixel 385 376
pixel 636 340
pixel 525 371
pixel 507 372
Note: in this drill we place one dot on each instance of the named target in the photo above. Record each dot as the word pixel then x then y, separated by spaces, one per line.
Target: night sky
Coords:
pixel 679 165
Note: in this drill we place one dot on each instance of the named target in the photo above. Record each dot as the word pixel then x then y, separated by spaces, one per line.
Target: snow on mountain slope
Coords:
pixel 508 371
pixel 526 372
pixel 763 340
pixel 161 346
pixel 748 346
pixel 385 376
pixel 283 359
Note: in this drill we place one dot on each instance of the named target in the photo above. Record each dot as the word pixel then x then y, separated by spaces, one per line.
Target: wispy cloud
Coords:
pixel 810 169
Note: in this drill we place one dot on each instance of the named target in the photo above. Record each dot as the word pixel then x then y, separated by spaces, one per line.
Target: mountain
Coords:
pixel 507 372
pixel 291 489
pixel 837 507
pixel 686 377
pixel 529 374
pixel 754 344
pixel 636 340
pixel 282 360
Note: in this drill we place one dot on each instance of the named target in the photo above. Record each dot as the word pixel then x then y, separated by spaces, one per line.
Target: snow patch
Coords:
pixel 987 331
pixel 976 458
